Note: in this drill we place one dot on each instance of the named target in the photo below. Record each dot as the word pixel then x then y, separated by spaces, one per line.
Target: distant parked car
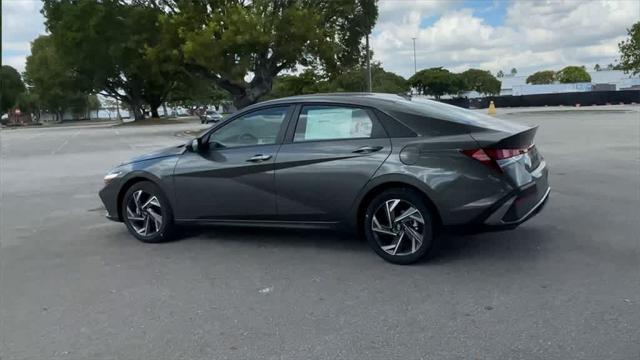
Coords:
pixel 210 116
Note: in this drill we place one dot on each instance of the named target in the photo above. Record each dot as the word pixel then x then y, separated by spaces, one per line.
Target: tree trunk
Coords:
pixel 250 95
pixel 154 112
pixel 119 117
pixel 164 108
pixel 135 106
pixel 138 114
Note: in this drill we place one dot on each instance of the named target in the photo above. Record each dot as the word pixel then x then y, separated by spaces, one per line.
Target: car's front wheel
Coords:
pixel 399 226
pixel 147 213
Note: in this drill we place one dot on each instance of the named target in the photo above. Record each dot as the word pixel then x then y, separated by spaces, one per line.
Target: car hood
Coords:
pixel 164 152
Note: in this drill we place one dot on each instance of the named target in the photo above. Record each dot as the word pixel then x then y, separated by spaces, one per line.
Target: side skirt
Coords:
pixel 261 223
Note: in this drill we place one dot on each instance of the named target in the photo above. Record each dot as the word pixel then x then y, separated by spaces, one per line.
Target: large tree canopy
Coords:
pixel 573 74
pixel 243 45
pixel 437 82
pixel 630 50
pixel 113 45
pixel 12 88
pixel 481 81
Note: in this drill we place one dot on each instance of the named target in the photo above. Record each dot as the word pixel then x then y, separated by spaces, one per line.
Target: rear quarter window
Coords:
pixel 420 112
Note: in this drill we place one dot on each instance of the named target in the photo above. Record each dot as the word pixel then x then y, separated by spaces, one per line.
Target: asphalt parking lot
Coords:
pixel 73 285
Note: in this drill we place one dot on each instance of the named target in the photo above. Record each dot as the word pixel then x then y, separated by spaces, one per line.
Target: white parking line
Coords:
pixel 64 143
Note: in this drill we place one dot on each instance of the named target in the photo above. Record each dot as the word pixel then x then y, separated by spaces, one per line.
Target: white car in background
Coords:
pixel 210 116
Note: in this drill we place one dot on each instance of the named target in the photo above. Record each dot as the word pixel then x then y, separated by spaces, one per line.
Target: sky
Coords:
pixel 455 34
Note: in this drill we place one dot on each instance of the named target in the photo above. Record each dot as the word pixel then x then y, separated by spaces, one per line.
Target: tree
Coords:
pixel 93 104
pixel 114 47
pixel 243 45
pixel 51 82
pixel 573 74
pixel 382 81
pixel 11 89
pixel 437 82
pixel 630 51
pixel 195 92
pixel 597 67
pixel 514 71
pixel 387 82
pixel 307 82
pixel 500 74
pixel 481 81
pixel 542 77
pixel 354 80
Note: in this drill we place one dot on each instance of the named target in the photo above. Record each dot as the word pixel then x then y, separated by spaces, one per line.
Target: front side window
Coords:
pixel 257 128
pixel 335 123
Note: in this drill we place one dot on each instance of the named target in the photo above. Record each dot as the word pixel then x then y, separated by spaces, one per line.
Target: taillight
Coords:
pixel 483 157
pixel 499 154
pixel 489 157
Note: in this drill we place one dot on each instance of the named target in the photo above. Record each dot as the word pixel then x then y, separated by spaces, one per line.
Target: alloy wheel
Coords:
pixel 144 213
pixel 398 227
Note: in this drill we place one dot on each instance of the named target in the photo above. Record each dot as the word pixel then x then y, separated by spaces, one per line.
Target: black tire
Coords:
pixel 408 197
pixel 167 230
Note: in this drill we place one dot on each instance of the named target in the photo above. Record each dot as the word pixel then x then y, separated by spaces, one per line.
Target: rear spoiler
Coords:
pixel 520 140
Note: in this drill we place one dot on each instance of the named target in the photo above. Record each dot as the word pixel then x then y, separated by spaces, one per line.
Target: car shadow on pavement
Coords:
pixel 522 243
pixel 277 237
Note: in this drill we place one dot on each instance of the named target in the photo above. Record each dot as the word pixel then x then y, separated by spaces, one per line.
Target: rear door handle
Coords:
pixel 259 158
pixel 367 149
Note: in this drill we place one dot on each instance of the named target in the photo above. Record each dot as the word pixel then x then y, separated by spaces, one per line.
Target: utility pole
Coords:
pixel 415 66
pixel 368 65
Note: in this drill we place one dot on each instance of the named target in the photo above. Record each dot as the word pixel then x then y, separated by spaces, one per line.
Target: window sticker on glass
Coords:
pixel 336 123
pixel 360 124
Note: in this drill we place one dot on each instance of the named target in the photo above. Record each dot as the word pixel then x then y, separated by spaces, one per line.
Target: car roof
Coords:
pixel 355 98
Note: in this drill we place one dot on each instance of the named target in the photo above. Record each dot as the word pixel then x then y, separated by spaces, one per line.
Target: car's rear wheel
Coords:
pixel 399 226
pixel 147 213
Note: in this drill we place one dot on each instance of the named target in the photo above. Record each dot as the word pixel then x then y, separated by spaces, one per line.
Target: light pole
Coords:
pixel 368 65
pixel 415 66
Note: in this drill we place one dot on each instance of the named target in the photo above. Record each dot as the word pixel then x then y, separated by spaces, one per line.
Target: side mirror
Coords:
pixel 194 145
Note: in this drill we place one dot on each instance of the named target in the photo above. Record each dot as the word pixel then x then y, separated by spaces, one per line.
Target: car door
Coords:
pixel 329 155
pixel 232 178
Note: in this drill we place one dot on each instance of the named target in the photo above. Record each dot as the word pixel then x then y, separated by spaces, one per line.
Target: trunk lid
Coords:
pixel 513 150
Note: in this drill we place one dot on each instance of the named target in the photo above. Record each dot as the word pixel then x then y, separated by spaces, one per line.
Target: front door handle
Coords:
pixel 367 149
pixel 259 158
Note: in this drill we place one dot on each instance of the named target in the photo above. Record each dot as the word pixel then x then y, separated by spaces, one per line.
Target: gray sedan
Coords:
pixel 399 172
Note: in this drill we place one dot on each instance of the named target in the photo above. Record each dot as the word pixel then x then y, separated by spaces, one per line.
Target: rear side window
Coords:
pixel 326 122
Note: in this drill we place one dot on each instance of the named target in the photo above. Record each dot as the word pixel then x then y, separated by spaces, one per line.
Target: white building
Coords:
pixel 517 85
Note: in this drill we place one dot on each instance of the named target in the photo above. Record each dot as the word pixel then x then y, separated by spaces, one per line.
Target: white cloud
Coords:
pixel 21 23
pixel 535 35
pixel 15 61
